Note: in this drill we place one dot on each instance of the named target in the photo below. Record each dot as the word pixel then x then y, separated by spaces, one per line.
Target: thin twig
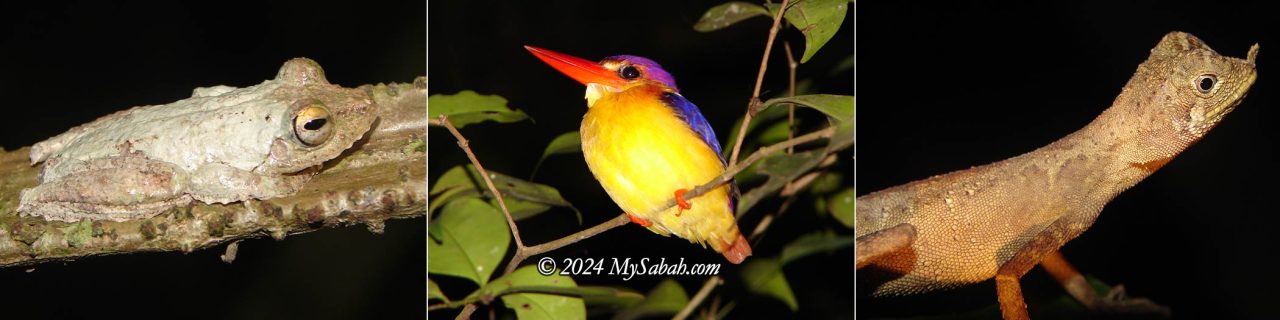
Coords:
pixel 466 147
pixel 466 312
pixel 767 221
pixel 618 221
pixel 697 298
pixel 791 107
pixel 791 187
pixel 733 170
pixel 515 231
pixel 755 95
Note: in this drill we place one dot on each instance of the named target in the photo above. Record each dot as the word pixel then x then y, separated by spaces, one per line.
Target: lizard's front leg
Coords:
pixel 1008 289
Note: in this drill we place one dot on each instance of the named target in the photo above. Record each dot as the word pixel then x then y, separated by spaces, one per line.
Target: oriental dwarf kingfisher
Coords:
pixel 646 144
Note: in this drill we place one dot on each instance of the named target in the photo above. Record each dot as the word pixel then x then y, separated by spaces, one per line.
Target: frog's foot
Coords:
pixel 681 202
pixel 117 188
pixel 640 221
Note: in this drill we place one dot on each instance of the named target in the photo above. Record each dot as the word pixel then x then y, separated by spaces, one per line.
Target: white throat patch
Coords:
pixel 595 91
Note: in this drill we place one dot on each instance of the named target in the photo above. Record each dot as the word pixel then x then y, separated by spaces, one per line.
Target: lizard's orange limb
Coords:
pixel 638 220
pixel 1069 278
pixel 1112 303
pixel 680 201
pixel 1009 291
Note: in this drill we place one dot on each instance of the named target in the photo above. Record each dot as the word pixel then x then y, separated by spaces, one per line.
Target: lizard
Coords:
pixel 1002 219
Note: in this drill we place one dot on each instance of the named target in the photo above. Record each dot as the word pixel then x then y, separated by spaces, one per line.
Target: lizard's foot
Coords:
pixel 1116 302
pixel 638 220
pixel 681 202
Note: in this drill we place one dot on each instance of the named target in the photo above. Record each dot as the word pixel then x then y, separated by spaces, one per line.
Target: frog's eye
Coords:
pixel 312 125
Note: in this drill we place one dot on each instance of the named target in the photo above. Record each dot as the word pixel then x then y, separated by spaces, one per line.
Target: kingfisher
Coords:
pixel 646 143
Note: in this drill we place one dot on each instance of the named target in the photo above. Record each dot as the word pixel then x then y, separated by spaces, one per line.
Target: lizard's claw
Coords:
pixel 1116 302
pixel 681 202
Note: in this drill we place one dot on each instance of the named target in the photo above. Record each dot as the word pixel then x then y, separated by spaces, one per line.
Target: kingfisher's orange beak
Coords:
pixel 583 70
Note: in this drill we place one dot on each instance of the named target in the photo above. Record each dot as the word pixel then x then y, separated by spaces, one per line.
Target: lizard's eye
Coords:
pixel 1205 83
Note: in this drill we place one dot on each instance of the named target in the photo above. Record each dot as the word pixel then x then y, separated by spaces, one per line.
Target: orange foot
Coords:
pixel 684 205
pixel 640 221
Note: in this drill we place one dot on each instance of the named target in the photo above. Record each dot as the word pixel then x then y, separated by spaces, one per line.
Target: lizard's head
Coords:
pixel 1188 86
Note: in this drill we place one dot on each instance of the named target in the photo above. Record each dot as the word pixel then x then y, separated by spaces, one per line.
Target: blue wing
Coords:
pixel 693 117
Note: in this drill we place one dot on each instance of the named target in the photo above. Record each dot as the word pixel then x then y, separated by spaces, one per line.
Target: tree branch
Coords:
pixel 466 147
pixel 383 177
pixel 698 297
pixel 791 107
pixel 755 94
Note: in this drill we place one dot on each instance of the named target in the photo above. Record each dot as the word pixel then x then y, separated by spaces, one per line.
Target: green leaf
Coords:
pixel 841 205
pixel 838 107
pixel 537 198
pixel 454 183
pixel 665 299
pixel 826 183
pixel 780 168
pixel 818 241
pixel 843 137
pixel 846 64
pixel 804 87
pixel 524 199
pixel 783 168
pixel 818 20
pixel 568 142
pixel 763 116
pixel 468 239
pixel 610 298
pixel 764 276
pixel 727 14
pixel 538 305
pixel 433 292
pixel 775 133
pixel 468 107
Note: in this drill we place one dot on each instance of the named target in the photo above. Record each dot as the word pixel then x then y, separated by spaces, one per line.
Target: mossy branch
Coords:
pixel 382 177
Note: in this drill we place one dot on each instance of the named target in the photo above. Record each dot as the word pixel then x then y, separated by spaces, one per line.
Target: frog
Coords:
pixel 222 145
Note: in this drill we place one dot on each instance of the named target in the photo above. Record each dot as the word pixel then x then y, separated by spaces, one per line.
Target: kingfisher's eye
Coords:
pixel 1205 83
pixel 629 72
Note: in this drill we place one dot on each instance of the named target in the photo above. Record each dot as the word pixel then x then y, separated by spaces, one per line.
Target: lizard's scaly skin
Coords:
pixel 970 223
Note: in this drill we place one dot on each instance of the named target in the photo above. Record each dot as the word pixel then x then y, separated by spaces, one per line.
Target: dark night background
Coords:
pixel 67 63
pixel 477 45
pixel 956 84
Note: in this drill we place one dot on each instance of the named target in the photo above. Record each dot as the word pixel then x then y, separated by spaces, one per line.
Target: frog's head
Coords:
pixel 322 119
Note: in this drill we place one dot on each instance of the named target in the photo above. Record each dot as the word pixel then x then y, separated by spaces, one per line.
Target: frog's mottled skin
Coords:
pixel 222 145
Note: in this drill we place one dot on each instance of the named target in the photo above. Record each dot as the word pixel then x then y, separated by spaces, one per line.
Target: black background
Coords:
pixel 955 84
pixel 67 63
pixel 477 45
